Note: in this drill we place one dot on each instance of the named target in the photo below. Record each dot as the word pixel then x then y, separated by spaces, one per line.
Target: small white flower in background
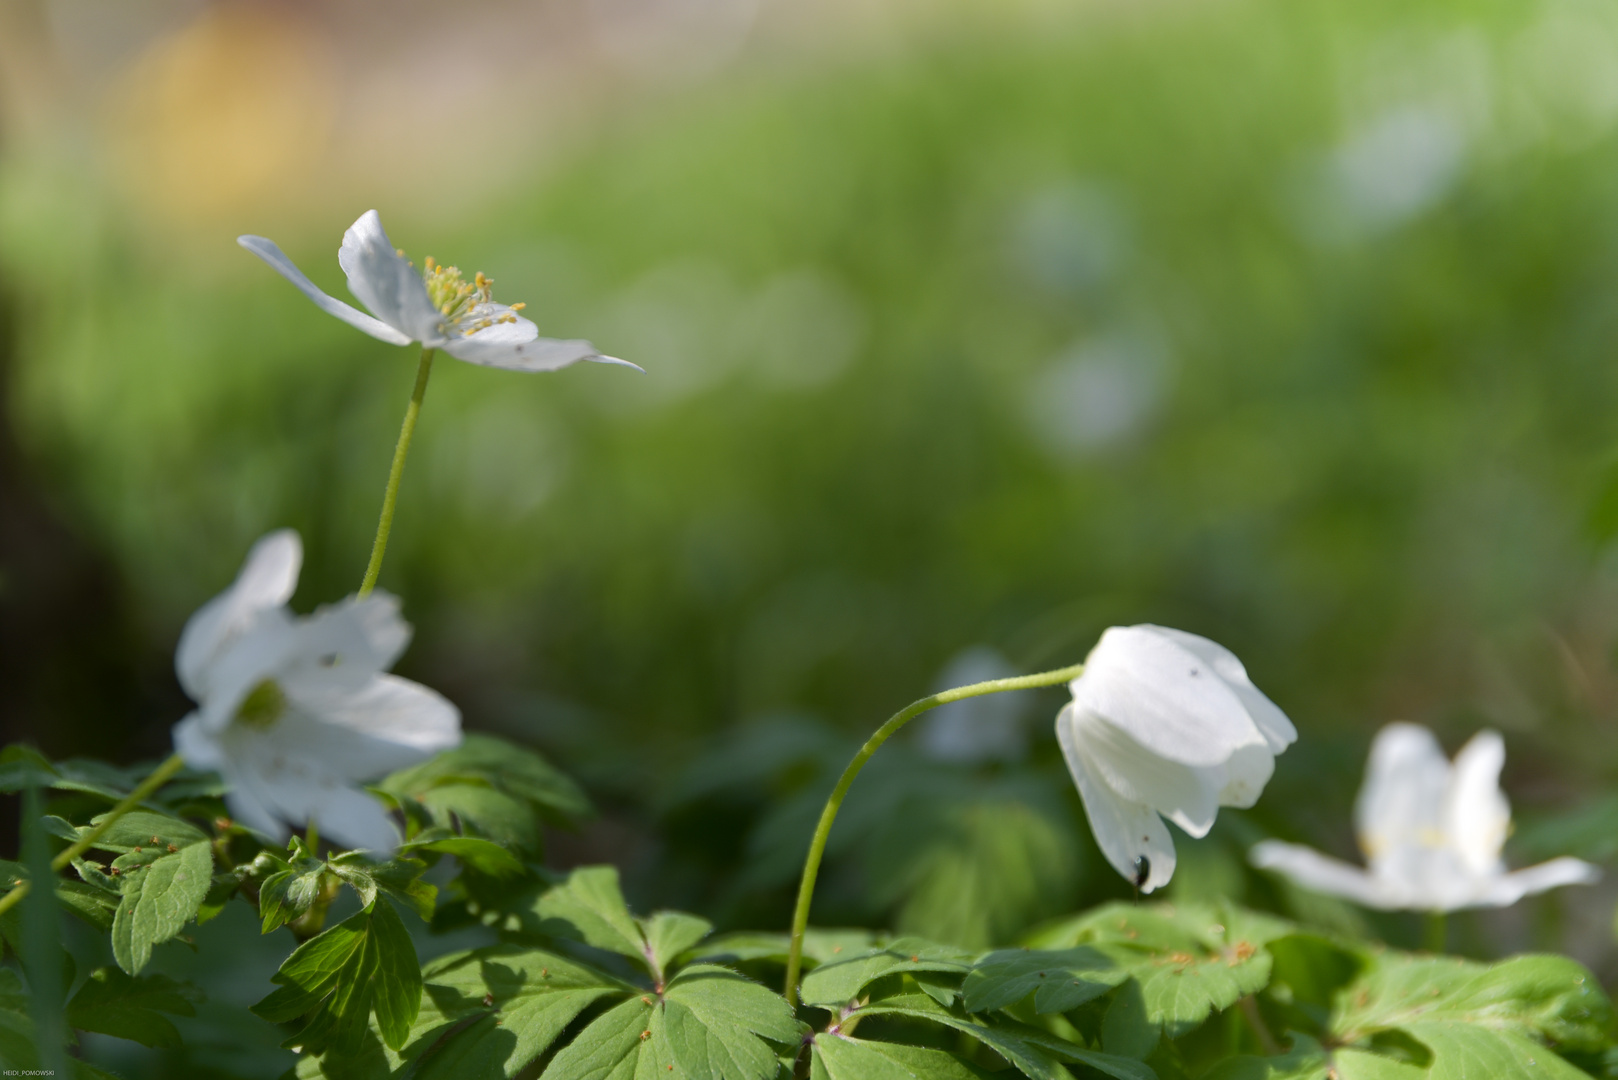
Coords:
pixel 987 728
pixel 1164 724
pixel 436 306
pixel 295 711
pixel 1431 832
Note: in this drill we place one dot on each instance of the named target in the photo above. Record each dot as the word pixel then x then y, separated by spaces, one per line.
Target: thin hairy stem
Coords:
pixel 1436 932
pixel 142 792
pixel 817 845
pixel 390 496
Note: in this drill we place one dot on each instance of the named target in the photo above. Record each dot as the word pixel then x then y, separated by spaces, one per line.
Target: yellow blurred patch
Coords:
pixel 233 111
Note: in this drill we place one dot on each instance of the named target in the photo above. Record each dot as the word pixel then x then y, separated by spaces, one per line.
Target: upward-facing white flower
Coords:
pixel 1431 832
pixel 1165 724
pixel 294 711
pixel 436 306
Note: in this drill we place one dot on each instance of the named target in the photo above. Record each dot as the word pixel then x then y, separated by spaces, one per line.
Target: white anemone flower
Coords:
pixel 1165 724
pixel 437 307
pixel 295 711
pixel 1431 832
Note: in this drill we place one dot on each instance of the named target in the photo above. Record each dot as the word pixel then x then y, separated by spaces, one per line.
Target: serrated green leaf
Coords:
pixel 713 1023
pixel 158 901
pixel 1489 1020
pixel 22 766
pixel 1036 1054
pixel 396 992
pixel 670 933
pixel 358 879
pixel 589 907
pixel 611 1048
pixel 1059 980
pixel 128 1007
pixel 837 982
pixel 483 810
pixel 1184 962
pixel 146 830
pixel 484 856
pixel 842 1057
pixel 310 972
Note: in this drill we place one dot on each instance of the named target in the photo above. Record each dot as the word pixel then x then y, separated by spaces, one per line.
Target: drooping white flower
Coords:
pixel 1431 832
pixel 295 711
pixel 1165 724
pixel 436 307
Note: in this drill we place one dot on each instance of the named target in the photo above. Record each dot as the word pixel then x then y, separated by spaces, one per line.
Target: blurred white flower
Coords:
pixel 294 712
pixel 436 307
pixel 1431 832
pixel 1165 724
pixel 987 728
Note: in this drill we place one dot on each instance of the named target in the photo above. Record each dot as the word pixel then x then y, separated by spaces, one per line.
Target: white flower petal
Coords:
pixel 267 580
pixel 500 347
pixel 1125 831
pixel 266 249
pixel 1164 696
pixel 343 646
pixel 1402 800
pixel 1186 796
pixel 196 744
pixel 385 281
pixel 1272 723
pixel 388 724
pixel 1323 874
pixel 299 793
pixel 1507 889
pixel 1477 816
pixel 256 654
pixel 1241 780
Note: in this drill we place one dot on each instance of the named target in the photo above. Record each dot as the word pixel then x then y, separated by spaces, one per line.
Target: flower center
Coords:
pixel 464 304
pixel 262 706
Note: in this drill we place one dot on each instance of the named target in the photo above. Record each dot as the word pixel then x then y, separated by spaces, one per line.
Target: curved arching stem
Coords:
pixel 390 494
pixel 817 845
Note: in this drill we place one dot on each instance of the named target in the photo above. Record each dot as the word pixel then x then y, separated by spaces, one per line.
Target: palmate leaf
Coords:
pixel 1499 1020
pixel 838 982
pixel 843 1057
pixel 503 1011
pixel 1166 967
pixel 336 980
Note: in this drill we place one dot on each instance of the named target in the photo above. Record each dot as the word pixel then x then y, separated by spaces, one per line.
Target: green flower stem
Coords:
pixel 1436 932
pixel 391 495
pixel 142 792
pixel 817 845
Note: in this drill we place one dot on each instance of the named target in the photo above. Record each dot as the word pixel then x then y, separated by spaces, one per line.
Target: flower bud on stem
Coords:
pixel 817 845
pixel 390 494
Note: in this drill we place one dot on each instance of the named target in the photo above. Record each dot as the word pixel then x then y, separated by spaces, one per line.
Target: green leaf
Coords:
pixel 1182 963
pixel 484 856
pixel 714 1023
pixel 490 788
pixel 819 946
pixel 285 895
pixel 589 907
pixel 157 901
pixel 309 974
pixel 612 1047
pixel 670 933
pixel 843 1057
pixel 1306 1060
pixel 22 766
pixel 114 1003
pixel 1035 1053
pixel 396 992
pixel 1489 1020
pixel 836 983
pixel 146 830
pixel 1059 980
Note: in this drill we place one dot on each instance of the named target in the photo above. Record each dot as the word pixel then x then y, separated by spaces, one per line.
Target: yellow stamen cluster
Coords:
pixel 458 298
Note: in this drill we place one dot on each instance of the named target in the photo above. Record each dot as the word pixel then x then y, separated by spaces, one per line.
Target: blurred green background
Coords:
pixel 969 330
